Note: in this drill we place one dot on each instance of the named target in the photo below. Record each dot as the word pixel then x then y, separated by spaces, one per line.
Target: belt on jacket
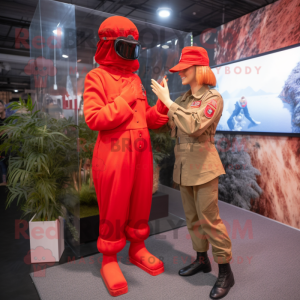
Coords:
pixel 189 139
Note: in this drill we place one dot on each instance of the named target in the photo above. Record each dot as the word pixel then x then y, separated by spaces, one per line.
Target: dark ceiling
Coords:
pixel 187 15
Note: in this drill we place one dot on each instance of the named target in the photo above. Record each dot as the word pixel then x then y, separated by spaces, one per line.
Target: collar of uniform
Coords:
pixel 186 94
pixel 198 94
pixel 114 72
pixel 201 92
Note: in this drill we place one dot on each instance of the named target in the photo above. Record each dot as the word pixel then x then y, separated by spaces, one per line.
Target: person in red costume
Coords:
pixel 115 104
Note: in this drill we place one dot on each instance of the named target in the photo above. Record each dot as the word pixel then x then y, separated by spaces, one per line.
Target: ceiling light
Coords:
pixel 158 45
pixel 165 46
pixel 164 12
pixel 57 31
pixel 169 41
pixel 65 56
pixel 176 42
pixel 15 91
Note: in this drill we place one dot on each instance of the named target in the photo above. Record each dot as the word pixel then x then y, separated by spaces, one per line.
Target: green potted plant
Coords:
pixel 86 188
pixel 43 158
pixel 161 143
pixel 86 212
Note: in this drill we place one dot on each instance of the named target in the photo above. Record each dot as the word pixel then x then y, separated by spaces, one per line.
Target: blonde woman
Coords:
pixel 193 119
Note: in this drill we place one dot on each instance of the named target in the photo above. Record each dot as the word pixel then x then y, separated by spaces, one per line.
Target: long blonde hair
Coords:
pixel 204 75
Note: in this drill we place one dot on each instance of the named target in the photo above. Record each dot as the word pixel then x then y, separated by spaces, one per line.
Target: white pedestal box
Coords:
pixel 47 241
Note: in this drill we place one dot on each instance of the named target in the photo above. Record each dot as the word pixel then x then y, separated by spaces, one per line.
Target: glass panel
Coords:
pixel 54 82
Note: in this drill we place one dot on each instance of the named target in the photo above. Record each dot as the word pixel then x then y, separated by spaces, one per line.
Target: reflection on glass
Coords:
pixel 52 68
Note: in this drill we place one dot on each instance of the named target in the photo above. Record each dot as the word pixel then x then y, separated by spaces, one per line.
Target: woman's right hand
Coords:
pixel 162 92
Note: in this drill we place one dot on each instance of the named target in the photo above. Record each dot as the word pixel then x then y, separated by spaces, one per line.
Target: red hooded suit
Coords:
pixel 122 161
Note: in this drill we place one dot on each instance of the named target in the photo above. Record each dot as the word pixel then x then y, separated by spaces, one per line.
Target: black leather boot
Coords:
pixel 224 282
pixel 201 263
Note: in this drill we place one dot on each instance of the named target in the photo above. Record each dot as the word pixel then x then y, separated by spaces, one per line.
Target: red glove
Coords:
pixel 128 92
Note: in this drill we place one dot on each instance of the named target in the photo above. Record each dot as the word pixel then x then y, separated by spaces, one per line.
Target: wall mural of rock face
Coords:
pixel 270 28
pixel 278 160
pixel 262 172
pixel 262 175
pixel 239 186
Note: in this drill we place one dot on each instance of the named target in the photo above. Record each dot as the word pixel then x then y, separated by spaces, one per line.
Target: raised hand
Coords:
pixel 161 108
pixel 162 92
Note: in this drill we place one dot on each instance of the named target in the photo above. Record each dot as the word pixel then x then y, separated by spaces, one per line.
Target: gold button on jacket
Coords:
pixel 193 120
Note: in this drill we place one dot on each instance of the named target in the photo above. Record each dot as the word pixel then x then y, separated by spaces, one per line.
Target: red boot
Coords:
pixel 141 257
pixel 112 276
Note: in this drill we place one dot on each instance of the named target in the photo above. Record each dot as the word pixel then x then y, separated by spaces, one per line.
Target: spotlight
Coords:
pixel 65 56
pixel 15 91
pixel 58 31
pixel 164 12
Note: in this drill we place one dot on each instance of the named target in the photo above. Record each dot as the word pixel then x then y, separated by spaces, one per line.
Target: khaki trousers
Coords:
pixel 205 226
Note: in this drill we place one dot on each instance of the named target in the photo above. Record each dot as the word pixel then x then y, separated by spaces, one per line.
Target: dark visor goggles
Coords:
pixel 126 47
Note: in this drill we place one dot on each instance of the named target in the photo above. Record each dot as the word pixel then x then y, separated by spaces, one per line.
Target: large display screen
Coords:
pixel 261 94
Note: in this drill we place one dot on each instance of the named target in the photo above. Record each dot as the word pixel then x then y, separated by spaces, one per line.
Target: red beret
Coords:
pixel 191 56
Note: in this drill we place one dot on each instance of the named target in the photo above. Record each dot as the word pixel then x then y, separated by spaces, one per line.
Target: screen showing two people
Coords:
pixel 261 94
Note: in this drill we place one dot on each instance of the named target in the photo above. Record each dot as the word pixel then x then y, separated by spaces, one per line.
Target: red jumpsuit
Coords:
pixel 122 161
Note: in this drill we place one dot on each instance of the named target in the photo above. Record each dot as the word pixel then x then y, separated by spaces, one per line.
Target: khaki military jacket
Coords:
pixel 193 121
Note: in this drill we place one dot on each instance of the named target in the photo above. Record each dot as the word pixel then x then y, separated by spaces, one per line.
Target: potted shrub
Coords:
pixel 162 146
pixel 86 189
pixel 88 211
pixel 43 158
